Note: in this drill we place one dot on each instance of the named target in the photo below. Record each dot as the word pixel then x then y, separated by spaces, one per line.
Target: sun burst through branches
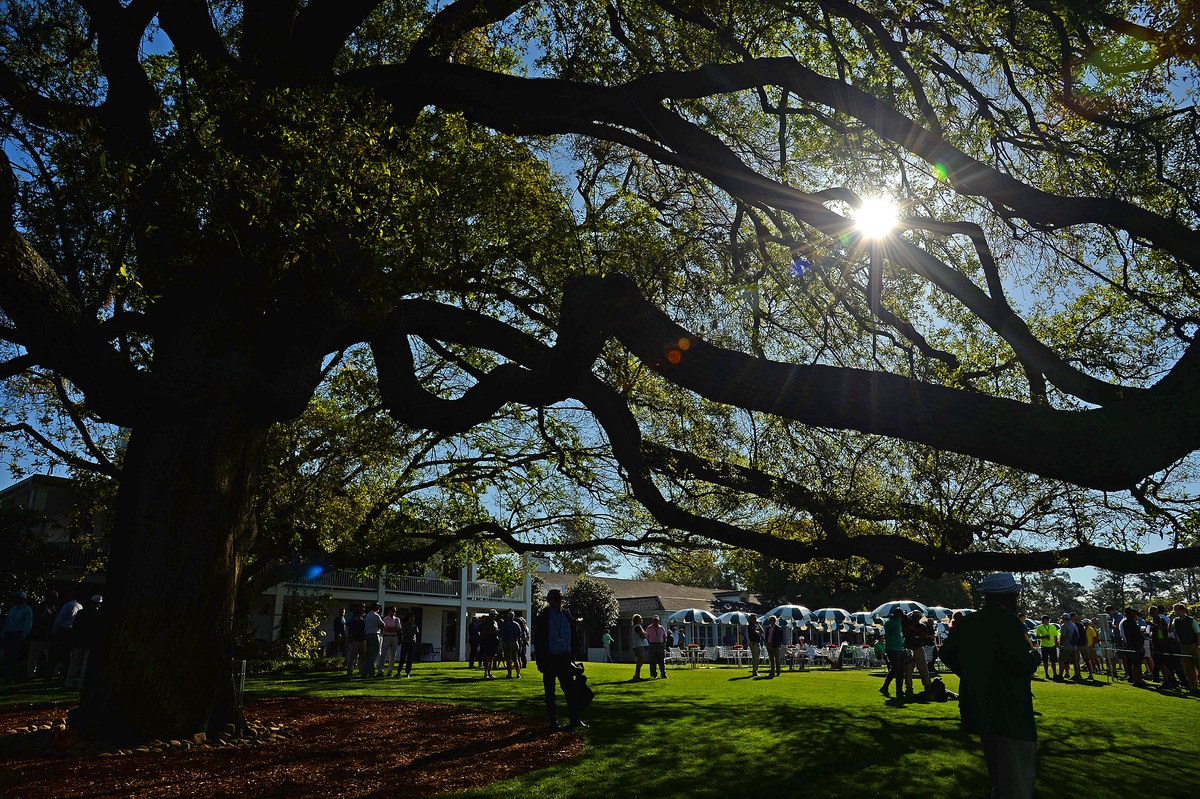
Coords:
pixel 876 217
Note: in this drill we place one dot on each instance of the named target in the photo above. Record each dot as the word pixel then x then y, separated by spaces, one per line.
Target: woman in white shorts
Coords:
pixel 641 646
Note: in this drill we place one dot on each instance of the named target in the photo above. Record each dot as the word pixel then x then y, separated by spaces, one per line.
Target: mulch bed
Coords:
pixel 346 749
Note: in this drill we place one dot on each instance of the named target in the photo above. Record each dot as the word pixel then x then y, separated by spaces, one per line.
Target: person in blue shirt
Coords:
pixel 17 625
pixel 552 637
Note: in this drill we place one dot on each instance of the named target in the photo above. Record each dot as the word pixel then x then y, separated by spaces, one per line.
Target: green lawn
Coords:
pixel 717 733
pixel 714 732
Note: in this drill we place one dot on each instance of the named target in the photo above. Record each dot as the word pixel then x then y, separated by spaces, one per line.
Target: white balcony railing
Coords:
pixel 77 556
pixel 477 590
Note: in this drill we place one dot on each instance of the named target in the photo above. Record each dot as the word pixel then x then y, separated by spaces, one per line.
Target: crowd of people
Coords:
pixel 493 640
pixel 51 639
pixel 1160 646
pixel 375 642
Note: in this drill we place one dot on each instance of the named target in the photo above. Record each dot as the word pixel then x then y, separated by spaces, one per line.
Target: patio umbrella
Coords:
pixel 828 616
pixel 832 618
pixel 1030 624
pixel 865 623
pixel 790 613
pixel 734 617
pixel 691 617
pixel 965 611
pixel 939 613
pixel 907 605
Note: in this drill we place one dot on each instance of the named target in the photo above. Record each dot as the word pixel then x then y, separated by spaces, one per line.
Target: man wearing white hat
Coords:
pixel 989 653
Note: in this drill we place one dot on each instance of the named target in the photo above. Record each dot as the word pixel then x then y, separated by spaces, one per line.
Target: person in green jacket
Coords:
pixel 893 642
pixel 995 663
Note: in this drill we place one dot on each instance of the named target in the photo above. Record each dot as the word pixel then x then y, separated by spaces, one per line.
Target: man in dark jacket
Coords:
pixel 1135 642
pixel 88 635
pixel 552 632
pixel 474 639
pixel 989 653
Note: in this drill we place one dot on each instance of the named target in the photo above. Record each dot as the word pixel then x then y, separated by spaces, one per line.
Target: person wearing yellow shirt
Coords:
pixel 1047 635
pixel 1091 640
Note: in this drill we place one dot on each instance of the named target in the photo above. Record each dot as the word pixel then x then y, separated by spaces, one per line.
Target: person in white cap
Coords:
pixel 989 653
pixel 86 635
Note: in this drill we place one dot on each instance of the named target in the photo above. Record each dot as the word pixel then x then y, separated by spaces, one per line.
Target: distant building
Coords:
pixel 442 607
pixel 52 500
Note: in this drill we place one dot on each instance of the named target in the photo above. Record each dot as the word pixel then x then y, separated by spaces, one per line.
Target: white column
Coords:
pixel 528 589
pixel 463 621
pixel 382 592
pixel 280 592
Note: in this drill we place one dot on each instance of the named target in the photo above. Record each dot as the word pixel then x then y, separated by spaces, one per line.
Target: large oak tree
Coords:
pixel 204 201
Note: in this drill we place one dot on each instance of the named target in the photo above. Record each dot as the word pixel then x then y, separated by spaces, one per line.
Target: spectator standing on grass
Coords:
pixel 640 645
pixel 552 646
pixel 524 641
pixel 474 642
pixel 1047 635
pixel 1187 633
pixel 1068 649
pixel 916 638
pixel 88 632
pixel 1091 639
pixel 18 623
pixel 391 643
pixel 339 634
pixel 373 636
pixel 410 638
pixel 893 650
pixel 510 642
pixel 656 637
pixel 1135 641
pixel 39 638
pixel 356 642
pixel 773 638
pixel 60 635
pixel 489 642
pixel 1080 639
pixel 606 641
pixel 1106 646
pixel 1167 653
pixel 755 634
pixel 994 663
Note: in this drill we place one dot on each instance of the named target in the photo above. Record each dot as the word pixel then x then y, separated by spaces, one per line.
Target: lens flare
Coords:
pixel 876 217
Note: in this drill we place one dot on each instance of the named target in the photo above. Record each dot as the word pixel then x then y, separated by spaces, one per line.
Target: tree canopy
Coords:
pixel 613 252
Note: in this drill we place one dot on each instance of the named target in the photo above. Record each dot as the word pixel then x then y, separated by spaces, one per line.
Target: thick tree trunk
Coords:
pixel 183 517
